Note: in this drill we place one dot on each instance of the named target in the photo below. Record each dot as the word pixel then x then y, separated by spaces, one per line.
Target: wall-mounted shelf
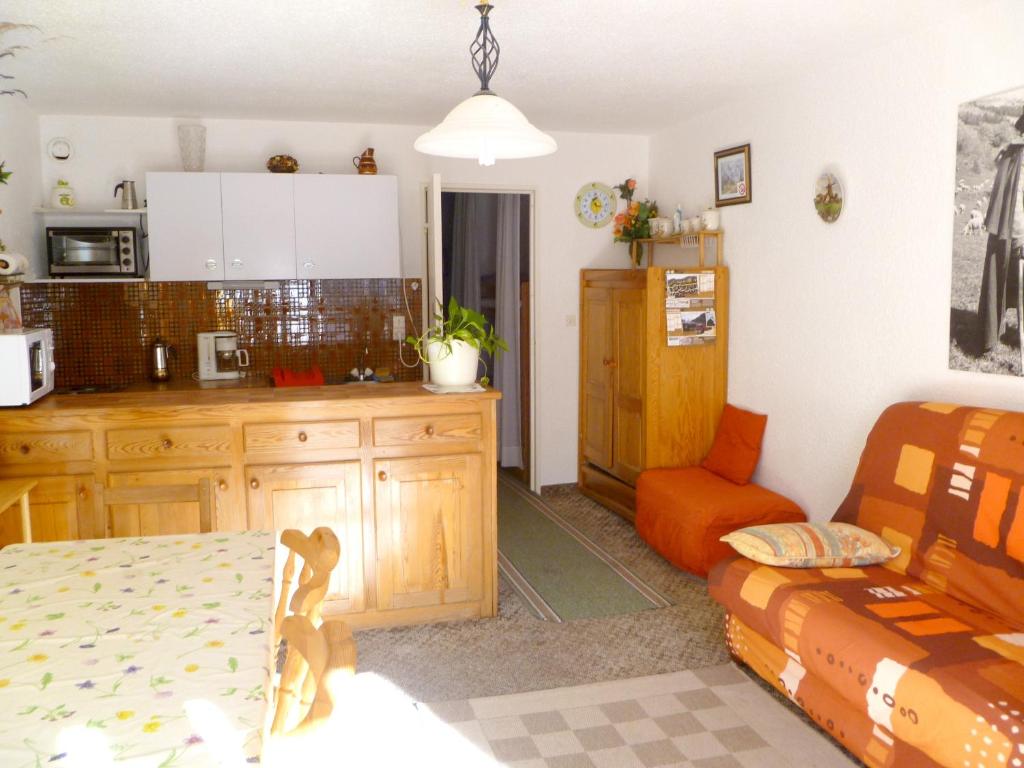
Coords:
pixel 59 280
pixel 688 240
pixel 90 211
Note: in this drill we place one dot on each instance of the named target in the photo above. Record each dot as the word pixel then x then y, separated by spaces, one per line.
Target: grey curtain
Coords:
pixel 506 322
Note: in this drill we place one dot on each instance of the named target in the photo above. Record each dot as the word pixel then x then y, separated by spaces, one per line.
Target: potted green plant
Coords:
pixel 451 346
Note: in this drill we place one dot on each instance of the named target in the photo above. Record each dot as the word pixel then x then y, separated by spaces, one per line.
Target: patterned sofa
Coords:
pixel 919 662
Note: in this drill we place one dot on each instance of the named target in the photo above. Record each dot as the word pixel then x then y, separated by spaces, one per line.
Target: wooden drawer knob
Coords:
pixel 81 493
pixel 303 437
pixel 223 485
pixel 429 430
pixel 254 484
pixel 382 475
pixel 24 448
pixel 167 444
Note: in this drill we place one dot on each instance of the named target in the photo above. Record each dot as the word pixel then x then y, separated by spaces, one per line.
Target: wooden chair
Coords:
pixel 328 654
pixel 201 492
pixel 320 552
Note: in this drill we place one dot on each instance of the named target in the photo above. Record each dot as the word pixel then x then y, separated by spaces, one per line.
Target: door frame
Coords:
pixel 499 189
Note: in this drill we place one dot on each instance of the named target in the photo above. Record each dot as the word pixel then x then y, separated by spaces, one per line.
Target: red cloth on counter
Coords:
pixel 285 377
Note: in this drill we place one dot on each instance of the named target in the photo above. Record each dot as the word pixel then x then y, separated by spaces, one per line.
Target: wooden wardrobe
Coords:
pixel 643 404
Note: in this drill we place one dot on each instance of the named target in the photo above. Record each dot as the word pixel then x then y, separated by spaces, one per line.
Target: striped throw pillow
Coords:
pixel 811 545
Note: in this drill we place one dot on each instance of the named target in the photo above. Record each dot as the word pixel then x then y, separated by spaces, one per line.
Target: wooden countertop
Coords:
pixel 155 396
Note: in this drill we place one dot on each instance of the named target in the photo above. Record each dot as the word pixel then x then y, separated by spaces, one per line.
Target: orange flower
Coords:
pixel 631 183
pixel 620 218
pixel 634 208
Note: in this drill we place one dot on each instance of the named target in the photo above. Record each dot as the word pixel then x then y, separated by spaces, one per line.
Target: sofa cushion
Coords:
pixel 682 514
pixel 810 545
pixel 945 483
pixel 737 446
pixel 921 664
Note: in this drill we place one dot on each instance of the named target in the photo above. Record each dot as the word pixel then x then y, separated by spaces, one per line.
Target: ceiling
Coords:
pixel 600 65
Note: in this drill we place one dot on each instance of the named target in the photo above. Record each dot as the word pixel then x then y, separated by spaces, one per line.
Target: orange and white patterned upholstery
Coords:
pixel 918 662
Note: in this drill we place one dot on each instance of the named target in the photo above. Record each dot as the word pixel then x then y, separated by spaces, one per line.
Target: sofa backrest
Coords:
pixel 946 484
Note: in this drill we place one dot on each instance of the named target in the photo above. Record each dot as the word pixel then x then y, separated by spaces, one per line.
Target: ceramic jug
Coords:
pixel 365 162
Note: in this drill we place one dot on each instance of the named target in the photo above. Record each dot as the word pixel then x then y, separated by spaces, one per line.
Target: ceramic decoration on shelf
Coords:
pixel 192 144
pixel 63 195
pixel 282 164
pixel 711 218
pixel 59 149
pixel 365 163
pixel 595 204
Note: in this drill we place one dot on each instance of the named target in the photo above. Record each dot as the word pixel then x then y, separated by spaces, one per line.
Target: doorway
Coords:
pixel 485 263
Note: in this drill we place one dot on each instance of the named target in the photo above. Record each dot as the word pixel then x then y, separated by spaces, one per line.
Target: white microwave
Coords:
pixel 26 358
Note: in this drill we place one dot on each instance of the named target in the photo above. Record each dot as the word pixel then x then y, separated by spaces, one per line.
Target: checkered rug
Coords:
pixel 710 718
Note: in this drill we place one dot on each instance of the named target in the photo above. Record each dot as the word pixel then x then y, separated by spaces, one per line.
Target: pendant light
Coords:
pixel 485 126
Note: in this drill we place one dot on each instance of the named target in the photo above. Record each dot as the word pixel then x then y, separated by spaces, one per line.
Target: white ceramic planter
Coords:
pixel 455 369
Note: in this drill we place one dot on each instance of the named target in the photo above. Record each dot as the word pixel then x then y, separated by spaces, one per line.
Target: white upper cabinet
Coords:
pixel 184 226
pixel 346 226
pixel 259 225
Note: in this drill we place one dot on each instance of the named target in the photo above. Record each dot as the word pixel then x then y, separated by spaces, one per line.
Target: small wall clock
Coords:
pixel 595 204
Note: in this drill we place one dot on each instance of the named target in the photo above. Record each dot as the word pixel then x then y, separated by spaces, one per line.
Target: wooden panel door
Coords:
pixel 185 236
pixel 166 519
pixel 306 496
pixel 598 352
pixel 346 226
pixel 628 330
pixel 259 226
pixel 429 531
pixel 60 509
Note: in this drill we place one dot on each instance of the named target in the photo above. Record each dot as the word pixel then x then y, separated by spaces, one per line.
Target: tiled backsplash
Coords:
pixel 103 332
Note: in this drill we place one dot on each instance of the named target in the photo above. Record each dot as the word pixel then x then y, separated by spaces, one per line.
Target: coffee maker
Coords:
pixel 220 357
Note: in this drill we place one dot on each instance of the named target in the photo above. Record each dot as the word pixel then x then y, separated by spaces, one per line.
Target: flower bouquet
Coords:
pixel 635 222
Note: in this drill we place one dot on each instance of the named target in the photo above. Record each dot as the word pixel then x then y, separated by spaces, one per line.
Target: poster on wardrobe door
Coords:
pixel 690 308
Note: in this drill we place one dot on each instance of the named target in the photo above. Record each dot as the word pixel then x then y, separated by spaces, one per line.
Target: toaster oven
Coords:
pixel 26 358
pixel 92 252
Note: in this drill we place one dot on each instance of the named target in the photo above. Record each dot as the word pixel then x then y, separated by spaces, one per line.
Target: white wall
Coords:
pixel 108 149
pixel 19 149
pixel 830 323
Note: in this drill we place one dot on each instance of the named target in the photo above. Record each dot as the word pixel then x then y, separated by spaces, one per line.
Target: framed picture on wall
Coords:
pixel 732 176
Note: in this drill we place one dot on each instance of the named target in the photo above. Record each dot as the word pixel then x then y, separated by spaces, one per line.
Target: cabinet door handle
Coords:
pixel 211 264
pixel 236 263
pixel 382 476
pixel 167 444
pixel 24 448
pixel 223 485
pixel 429 430
pixel 254 484
pixel 81 493
pixel 610 363
pixel 303 437
pixel 308 265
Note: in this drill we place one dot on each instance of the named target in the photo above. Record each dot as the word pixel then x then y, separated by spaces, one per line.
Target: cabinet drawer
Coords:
pixel 270 438
pixel 45 447
pixel 168 442
pixel 427 430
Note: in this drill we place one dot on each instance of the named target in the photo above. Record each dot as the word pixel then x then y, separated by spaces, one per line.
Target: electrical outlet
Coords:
pixel 398 327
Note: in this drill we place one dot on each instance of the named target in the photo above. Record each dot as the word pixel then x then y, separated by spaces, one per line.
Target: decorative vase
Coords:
pixel 63 195
pixel 636 253
pixel 192 143
pixel 365 163
pixel 454 368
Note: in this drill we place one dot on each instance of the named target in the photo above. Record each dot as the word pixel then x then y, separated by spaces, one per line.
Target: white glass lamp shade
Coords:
pixel 488 128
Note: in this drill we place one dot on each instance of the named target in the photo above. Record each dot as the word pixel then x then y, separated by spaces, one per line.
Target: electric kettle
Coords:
pixel 129 202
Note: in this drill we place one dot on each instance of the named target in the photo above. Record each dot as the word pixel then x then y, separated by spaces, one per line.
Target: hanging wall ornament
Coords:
pixel 828 197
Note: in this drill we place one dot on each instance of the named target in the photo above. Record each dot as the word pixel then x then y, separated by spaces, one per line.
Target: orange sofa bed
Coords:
pixel 918 662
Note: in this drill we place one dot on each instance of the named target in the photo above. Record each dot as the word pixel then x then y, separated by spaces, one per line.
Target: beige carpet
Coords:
pixel 710 718
pixel 516 652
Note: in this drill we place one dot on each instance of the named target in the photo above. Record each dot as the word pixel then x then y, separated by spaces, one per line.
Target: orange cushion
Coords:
pixel 737 447
pixel 682 514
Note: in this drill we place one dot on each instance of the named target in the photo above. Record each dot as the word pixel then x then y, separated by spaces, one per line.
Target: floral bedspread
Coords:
pixel 140 652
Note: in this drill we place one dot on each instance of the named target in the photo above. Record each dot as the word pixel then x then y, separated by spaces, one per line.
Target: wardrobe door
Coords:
pixel 627 368
pixel 596 366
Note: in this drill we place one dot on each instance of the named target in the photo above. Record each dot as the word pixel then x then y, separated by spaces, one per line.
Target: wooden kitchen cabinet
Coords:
pixel 643 404
pixel 429 535
pixel 306 496
pixel 346 226
pixel 185 227
pixel 61 510
pixel 406 479
pixel 165 519
pixel 259 225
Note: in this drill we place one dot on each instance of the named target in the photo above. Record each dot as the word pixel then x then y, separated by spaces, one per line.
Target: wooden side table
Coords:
pixel 16 492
